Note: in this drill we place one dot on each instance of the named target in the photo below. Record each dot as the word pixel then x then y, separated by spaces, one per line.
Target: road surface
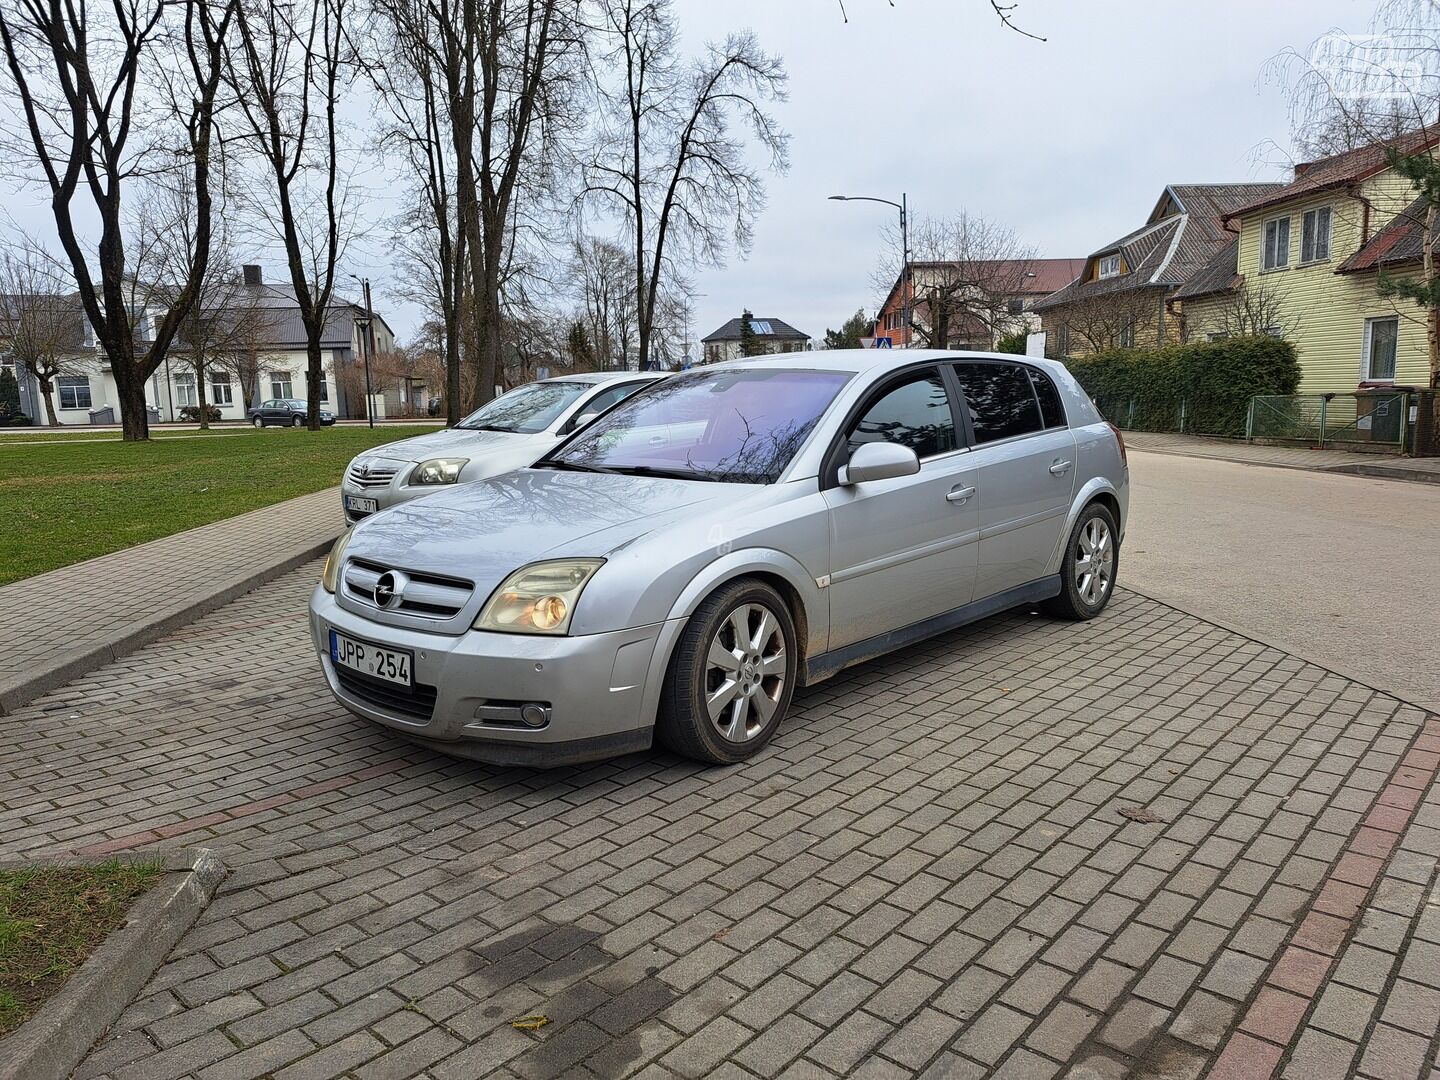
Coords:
pixel 1340 570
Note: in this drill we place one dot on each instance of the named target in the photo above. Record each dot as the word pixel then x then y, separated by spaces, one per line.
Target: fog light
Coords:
pixel 535 715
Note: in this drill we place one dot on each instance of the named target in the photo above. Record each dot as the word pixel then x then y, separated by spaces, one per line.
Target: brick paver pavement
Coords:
pixel 929 869
pixel 59 624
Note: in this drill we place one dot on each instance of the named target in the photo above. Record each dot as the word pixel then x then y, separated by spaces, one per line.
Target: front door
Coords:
pixel 903 550
pixel 1024 457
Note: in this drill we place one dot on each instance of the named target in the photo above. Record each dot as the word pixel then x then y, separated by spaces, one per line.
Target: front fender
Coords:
pixel 814 618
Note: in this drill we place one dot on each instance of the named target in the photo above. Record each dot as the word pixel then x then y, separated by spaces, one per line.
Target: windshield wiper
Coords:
pixel 568 466
pixel 664 474
pixel 484 427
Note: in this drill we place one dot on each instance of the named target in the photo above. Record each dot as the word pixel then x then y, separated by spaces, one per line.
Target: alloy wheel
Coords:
pixel 1094 561
pixel 745 672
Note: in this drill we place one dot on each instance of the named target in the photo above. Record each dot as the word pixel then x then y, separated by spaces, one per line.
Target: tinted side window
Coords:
pixel 603 400
pixel 1002 404
pixel 915 413
pixel 1051 411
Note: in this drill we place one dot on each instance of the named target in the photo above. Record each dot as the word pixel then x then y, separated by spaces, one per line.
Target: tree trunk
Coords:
pixel 453 414
pixel 134 421
pixel 47 390
pixel 315 377
pixel 1432 314
pixel 204 411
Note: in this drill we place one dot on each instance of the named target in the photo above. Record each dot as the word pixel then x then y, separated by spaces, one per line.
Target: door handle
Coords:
pixel 959 495
pixel 1059 468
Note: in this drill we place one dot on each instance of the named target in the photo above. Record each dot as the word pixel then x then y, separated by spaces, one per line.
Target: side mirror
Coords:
pixel 878 461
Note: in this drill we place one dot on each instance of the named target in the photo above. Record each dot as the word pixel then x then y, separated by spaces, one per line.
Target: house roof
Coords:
pixel 1182 235
pixel 1216 276
pixel 1045 275
pixel 1339 170
pixel 768 329
pixel 1401 241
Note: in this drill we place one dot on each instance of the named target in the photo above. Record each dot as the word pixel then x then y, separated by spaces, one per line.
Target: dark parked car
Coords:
pixel 285 411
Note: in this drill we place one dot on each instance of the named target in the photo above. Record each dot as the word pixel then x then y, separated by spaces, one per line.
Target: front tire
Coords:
pixel 731 677
pixel 259 423
pixel 1090 566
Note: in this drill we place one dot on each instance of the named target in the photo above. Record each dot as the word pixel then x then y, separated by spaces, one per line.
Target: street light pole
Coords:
pixel 905 288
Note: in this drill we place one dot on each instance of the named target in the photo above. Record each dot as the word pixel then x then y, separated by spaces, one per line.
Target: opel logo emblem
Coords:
pixel 389 589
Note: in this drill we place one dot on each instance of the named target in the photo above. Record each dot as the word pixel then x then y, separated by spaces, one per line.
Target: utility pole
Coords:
pixel 367 344
pixel 905 289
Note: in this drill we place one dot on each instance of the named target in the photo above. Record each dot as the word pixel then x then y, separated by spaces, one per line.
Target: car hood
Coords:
pixel 486 530
pixel 454 442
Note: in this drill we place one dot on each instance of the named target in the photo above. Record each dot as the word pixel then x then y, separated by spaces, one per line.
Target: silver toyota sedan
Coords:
pixel 678 567
pixel 504 434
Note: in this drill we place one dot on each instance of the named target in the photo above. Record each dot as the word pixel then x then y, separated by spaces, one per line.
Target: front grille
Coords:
pixel 418 703
pixel 373 477
pixel 426 596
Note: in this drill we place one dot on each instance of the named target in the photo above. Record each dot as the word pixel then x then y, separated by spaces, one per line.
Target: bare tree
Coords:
pixel 965 273
pixel 41 324
pixel 289 72
pixel 1251 309
pixel 1110 320
pixel 600 270
pixel 669 157
pixel 89 83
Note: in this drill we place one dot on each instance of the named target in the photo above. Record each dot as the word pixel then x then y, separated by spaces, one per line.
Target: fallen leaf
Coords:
pixel 529 1023
pixel 1141 814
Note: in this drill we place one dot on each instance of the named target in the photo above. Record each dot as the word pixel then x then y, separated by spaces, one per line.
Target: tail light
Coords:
pixel 1120 441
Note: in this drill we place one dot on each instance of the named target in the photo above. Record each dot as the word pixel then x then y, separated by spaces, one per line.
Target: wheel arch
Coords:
pixel 1097 489
pixel 809 610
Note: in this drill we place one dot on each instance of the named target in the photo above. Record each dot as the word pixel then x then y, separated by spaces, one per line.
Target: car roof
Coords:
pixel 606 376
pixel 873 360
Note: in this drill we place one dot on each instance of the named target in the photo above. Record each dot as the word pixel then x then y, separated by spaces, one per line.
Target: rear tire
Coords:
pixel 732 675
pixel 296 422
pixel 1090 566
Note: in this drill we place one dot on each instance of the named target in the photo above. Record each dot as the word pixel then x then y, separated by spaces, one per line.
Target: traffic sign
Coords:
pixel 884 343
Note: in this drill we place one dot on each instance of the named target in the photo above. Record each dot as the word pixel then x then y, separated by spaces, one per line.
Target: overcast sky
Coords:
pixel 1069 141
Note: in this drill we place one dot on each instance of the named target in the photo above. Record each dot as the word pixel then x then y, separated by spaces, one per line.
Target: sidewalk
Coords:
pixel 1383 466
pixel 59 625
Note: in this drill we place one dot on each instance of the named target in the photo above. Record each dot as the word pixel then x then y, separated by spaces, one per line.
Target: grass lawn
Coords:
pixel 62 503
pixel 51 919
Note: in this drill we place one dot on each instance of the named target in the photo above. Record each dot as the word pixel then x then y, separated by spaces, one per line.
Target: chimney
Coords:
pixel 252 274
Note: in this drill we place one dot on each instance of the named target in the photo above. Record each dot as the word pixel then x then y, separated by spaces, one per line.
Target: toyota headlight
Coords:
pixel 440 470
pixel 539 598
pixel 330 576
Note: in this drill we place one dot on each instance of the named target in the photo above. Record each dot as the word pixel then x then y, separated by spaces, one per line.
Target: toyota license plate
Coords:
pixel 376 661
pixel 361 506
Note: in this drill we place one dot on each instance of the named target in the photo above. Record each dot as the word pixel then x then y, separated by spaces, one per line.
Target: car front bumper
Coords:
pixel 596 688
pixel 392 494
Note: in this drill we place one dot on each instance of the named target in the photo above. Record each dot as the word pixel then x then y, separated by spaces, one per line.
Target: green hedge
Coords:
pixel 1144 389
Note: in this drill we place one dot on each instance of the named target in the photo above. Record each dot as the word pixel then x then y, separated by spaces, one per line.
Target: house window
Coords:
pixel 220 392
pixel 1315 235
pixel 324 392
pixel 1276 253
pixel 185 390
pixel 1015 305
pixel 1127 335
pixel 1110 266
pixel 74 392
pixel 1062 339
pixel 280 385
pixel 1381 337
pixel 1219 335
pixel 1272 331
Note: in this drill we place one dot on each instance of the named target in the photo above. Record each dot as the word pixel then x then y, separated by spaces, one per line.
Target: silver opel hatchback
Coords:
pixel 680 566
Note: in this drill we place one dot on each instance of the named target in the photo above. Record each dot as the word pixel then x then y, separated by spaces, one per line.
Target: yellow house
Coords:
pixel 1305 266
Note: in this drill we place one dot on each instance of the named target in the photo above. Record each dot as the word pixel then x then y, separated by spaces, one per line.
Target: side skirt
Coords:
pixel 821 667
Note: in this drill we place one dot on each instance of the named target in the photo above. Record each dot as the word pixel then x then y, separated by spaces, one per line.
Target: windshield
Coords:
pixel 740 427
pixel 529 408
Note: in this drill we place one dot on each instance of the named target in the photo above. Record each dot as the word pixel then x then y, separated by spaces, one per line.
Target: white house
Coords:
pixel 85 393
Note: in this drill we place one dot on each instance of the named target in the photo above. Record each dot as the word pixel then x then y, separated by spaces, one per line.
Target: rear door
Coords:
pixel 902 550
pixel 1024 461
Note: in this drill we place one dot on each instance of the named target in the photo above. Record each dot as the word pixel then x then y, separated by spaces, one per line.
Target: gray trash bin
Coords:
pixel 152 414
pixel 103 415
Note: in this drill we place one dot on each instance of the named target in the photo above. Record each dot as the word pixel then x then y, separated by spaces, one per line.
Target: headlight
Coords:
pixel 440 470
pixel 330 576
pixel 539 598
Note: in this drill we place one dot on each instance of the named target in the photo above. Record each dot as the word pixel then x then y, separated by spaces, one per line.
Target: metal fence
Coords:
pixel 1367 420
pixel 1185 415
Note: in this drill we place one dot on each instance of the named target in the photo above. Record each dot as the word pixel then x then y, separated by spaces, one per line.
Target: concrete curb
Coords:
pixel 53 1042
pixel 1387 472
pixel 1374 472
pixel 157 625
